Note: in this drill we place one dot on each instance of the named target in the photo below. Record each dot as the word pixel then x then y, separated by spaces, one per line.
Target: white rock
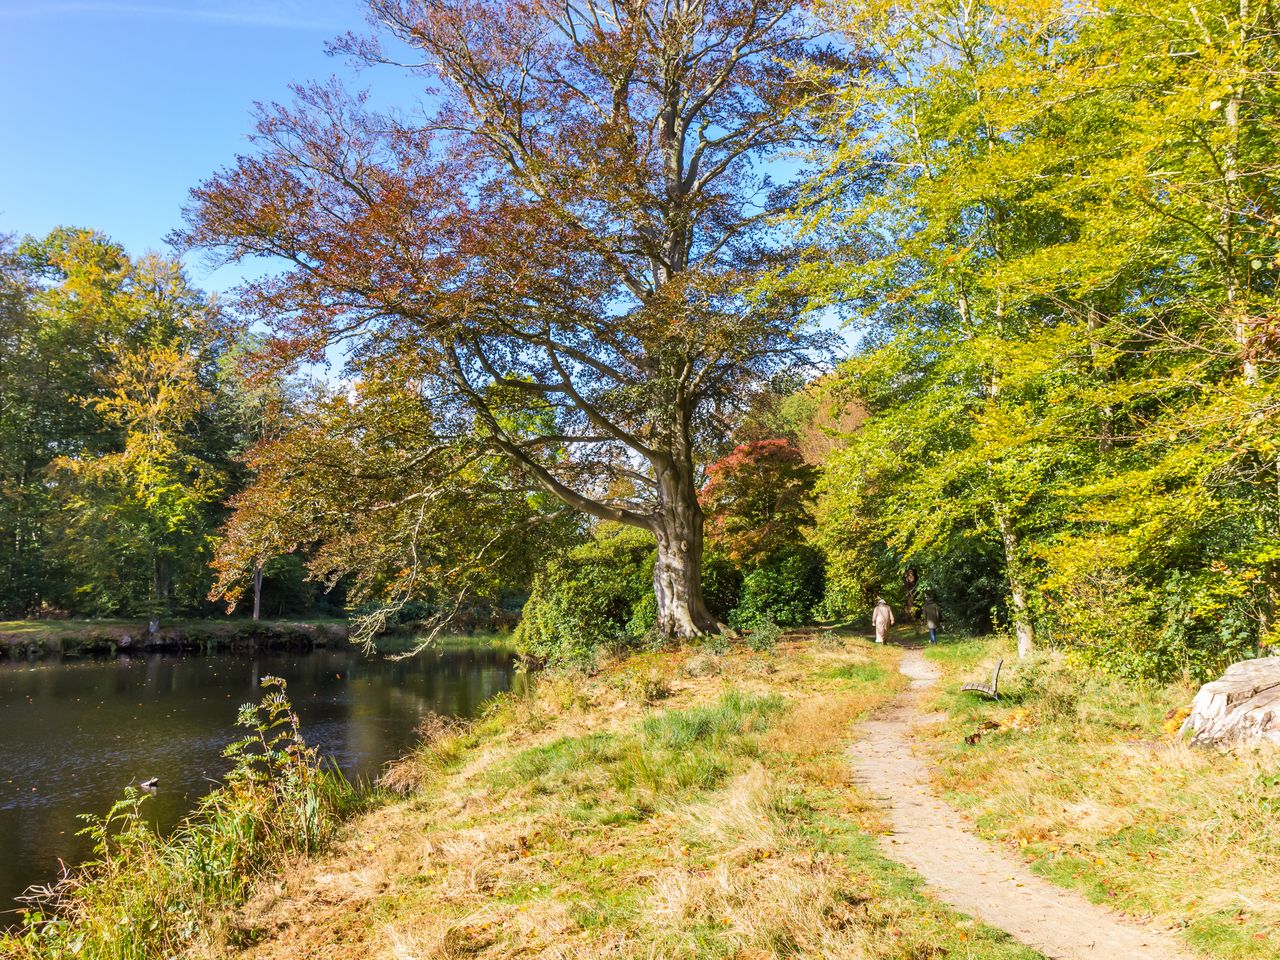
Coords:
pixel 1240 708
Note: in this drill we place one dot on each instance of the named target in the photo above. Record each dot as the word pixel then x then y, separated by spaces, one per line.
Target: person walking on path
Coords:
pixel 881 619
pixel 932 617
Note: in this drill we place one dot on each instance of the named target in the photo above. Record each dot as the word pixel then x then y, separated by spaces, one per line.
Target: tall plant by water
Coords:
pixel 147 895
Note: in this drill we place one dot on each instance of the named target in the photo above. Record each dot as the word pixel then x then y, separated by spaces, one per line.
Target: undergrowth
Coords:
pixel 145 896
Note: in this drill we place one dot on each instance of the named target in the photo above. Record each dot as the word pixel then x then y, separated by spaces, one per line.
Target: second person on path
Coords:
pixel 932 618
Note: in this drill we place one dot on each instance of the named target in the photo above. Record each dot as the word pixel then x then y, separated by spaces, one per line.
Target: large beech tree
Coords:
pixel 575 218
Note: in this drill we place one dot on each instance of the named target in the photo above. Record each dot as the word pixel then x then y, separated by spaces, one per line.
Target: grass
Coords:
pixel 637 813
pixel 641 812
pixel 860 672
pixel 1094 790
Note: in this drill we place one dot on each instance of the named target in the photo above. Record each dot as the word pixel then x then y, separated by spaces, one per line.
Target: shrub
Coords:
pixel 1185 627
pixel 763 636
pixel 784 589
pixel 600 595
pixel 594 596
pixel 721 585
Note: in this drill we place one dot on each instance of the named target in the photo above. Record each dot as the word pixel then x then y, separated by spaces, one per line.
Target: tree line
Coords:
pixel 587 284
pixel 1070 282
pixel 124 411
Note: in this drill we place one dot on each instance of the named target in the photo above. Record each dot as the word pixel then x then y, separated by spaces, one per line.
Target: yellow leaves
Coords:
pixel 1021 720
pixel 1174 719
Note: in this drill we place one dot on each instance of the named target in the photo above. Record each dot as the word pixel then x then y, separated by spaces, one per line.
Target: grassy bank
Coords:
pixel 1088 779
pixel 673 805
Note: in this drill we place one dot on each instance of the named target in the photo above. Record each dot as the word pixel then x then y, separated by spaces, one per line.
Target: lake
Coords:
pixel 74 734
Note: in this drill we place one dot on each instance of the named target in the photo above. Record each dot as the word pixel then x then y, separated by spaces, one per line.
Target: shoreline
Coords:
pixel 49 639
pixel 32 640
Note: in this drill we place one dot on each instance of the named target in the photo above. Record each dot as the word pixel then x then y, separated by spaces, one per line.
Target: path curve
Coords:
pixel 968 872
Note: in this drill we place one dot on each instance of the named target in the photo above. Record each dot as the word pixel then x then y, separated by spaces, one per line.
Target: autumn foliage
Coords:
pixel 756 499
pixel 579 222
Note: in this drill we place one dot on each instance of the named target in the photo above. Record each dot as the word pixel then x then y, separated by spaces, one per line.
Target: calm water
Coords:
pixel 73 735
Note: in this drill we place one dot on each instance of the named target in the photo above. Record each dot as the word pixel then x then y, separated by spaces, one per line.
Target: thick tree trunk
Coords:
pixel 677 575
pixel 1018 606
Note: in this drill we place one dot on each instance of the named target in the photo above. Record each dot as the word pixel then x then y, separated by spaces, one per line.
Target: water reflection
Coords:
pixel 74 734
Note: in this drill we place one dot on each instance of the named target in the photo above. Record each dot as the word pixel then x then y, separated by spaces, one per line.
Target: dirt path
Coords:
pixel 962 869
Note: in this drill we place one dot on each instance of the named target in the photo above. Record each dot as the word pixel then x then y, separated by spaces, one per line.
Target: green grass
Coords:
pixel 734 716
pixel 859 672
pixel 675 750
pixel 562 758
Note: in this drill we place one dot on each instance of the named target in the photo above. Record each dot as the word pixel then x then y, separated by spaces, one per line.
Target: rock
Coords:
pixel 1242 707
pixel 701 666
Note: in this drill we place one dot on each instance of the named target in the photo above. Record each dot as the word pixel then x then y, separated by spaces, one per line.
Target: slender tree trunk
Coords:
pixel 157 586
pixel 1094 325
pixel 1232 201
pixel 677 575
pixel 1017 589
pixel 257 589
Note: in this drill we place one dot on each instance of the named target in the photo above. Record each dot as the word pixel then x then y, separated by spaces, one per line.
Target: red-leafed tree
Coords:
pixel 576 219
pixel 757 499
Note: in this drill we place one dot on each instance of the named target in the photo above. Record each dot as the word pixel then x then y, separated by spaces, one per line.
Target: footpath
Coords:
pixel 966 871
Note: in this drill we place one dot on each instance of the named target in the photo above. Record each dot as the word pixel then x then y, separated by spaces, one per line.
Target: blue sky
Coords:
pixel 111 111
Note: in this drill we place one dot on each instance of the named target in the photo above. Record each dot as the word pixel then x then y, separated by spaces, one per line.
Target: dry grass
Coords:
pixel 1099 796
pixel 639 813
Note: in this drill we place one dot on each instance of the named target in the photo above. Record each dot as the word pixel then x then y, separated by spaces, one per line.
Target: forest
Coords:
pixel 667 342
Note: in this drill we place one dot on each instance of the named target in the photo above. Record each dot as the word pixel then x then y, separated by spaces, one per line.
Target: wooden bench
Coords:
pixel 988 689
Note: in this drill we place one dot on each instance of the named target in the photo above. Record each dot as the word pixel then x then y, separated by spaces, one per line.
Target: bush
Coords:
pixel 1183 628
pixel 599 594
pixel 721 585
pixel 785 589
pixel 763 636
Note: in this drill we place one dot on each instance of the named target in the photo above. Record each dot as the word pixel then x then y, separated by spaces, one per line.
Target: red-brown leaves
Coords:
pixel 578 221
pixel 756 499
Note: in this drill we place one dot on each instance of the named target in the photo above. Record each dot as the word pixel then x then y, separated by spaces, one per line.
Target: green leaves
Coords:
pixel 111 440
pixel 1064 324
